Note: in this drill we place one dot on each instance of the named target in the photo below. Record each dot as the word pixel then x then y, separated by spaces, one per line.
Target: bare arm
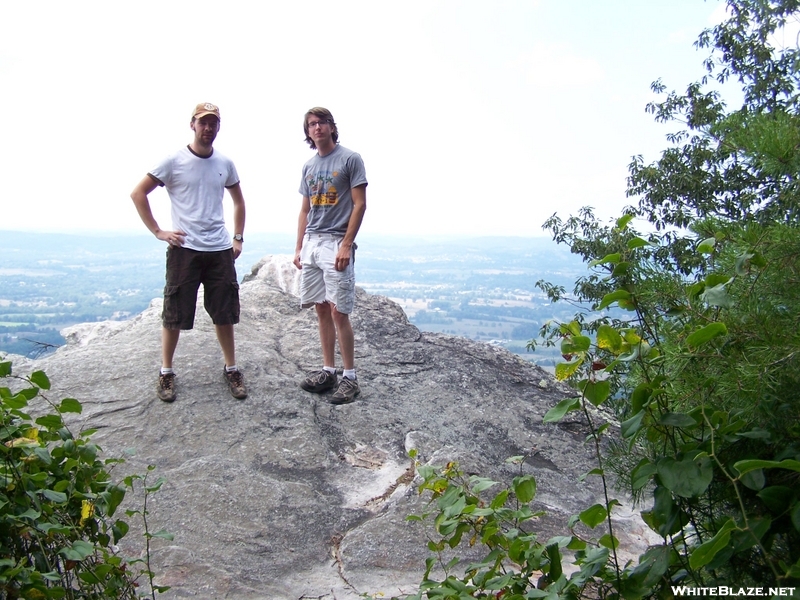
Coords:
pixel 142 204
pixel 302 222
pixel 238 216
pixel 359 195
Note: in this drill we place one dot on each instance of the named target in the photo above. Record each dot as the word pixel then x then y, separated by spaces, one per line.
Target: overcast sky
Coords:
pixel 473 117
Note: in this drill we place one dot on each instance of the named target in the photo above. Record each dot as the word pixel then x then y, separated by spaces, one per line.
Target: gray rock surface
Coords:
pixel 285 496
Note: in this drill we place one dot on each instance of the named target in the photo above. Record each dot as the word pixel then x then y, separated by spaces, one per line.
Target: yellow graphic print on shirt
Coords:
pixel 323 192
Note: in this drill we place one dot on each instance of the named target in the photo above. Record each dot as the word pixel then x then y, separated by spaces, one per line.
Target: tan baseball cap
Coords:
pixel 205 108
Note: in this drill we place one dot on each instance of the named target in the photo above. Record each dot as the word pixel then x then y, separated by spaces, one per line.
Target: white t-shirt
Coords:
pixel 196 187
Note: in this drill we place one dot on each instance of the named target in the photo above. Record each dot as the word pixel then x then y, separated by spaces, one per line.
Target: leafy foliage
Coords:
pixel 58 531
pixel 692 340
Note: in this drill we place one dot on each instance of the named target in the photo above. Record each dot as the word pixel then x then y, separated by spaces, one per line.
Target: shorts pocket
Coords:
pixel 171 313
pixel 235 307
pixel 346 294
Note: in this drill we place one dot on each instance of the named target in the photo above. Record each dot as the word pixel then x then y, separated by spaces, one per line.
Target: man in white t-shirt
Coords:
pixel 199 247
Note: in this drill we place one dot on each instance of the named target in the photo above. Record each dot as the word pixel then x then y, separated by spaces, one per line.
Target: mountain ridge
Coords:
pixel 284 495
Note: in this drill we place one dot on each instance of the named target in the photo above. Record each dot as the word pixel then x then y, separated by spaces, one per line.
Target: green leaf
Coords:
pixel 57 497
pixel 164 535
pixel 623 221
pixel 638 242
pixel 686 478
pixel 594 515
pixel 156 486
pixel 717 296
pixel 743 466
pixel 572 328
pixel 665 516
pixel 671 419
pixel 795 515
pixel 120 529
pixel 609 339
pixel 566 370
pixel 640 396
pixel 88 577
pixel 609 541
pixel 755 434
pixel 499 501
pixel 608 258
pixel 70 405
pixel 597 392
pixel 480 484
pixel 704 553
pixel 615 296
pixel 16 401
pixel 5 369
pixel 525 488
pixel 707 246
pixel 632 425
pixel 621 269
pixel 642 474
pixel 51 421
pixel 706 334
pixel 80 550
pixel 29 514
pixel 755 480
pixel 748 259
pixel 776 497
pixel 39 378
pixel 575 343
pixel 554 556
pixel 115 495
pixel 560 409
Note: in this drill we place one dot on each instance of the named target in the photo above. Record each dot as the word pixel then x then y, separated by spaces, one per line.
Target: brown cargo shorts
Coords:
pixel 186 270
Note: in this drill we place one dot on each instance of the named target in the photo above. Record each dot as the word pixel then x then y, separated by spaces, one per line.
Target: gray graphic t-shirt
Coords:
pixel 328 181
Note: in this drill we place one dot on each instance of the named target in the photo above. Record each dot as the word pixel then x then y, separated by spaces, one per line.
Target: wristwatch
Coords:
pixel 238 237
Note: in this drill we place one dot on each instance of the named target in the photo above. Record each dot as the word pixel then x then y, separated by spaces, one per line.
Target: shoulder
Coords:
pixel 220 157
pixel 311 161
pixel 347 154
pixel 164 166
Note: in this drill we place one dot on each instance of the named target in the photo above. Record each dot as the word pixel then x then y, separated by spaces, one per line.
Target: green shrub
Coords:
pixel 58 533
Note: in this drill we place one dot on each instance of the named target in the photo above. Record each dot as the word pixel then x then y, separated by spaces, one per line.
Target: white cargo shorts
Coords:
pixel 319 280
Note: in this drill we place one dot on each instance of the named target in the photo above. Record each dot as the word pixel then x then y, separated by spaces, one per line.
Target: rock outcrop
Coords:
pixel 285 496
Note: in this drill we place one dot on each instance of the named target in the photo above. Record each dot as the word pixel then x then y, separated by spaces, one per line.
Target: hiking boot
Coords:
pixel 347 392
pixel 166 387
pixel 319 381
pixel 235 381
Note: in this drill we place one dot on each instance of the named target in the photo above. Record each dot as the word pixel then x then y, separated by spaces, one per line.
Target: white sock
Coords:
pixel 167 370
pixel 231 369
pixel 350 374
pixel 331 370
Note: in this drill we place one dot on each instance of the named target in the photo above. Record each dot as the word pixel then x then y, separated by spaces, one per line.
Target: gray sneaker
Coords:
pixel 347 392
pixel 319 381
pixel 235 381
pixel 166 387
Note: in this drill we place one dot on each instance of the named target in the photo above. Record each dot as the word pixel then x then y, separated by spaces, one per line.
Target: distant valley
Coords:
pixel 480 288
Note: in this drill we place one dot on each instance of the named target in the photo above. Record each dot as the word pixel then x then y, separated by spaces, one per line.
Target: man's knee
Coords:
pixel 340 318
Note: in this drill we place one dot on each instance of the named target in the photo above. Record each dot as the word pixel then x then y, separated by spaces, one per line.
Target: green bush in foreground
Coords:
pixel 57 504
pixel 692 341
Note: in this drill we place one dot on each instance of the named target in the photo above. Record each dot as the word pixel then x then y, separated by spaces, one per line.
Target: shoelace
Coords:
pixel 321 377
pixel 348 384
pixel 236 378
pixel 167 381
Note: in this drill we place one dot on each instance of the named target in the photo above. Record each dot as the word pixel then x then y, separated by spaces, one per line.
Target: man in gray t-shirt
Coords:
pixel 334 190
